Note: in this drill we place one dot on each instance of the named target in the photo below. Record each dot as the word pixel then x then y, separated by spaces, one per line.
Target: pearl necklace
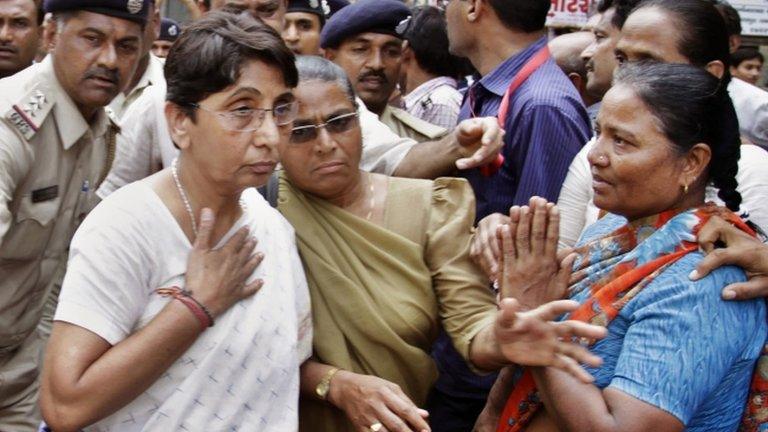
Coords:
pixel 184 198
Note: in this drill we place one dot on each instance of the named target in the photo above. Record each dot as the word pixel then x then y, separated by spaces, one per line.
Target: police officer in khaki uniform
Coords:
pixel 366 40
pixel 56 145
pixel 149 71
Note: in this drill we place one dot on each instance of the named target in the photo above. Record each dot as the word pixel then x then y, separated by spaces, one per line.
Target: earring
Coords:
pixel 685 190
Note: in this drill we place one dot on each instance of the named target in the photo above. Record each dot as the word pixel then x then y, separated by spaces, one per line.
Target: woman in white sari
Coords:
pixel 133 346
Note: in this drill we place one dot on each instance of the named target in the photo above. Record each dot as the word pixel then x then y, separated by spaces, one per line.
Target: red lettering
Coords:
pixel 555 7
pixel 569 6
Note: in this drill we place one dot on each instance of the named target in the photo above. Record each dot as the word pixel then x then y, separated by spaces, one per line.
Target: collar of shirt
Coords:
pixel 69 121
pixel 425 89
pixel 153 74
pixel 499 79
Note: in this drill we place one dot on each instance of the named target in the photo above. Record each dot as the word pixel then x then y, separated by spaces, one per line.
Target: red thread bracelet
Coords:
pixel 198 310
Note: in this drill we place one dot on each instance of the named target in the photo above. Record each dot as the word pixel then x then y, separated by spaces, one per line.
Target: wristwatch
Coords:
pixel 324 386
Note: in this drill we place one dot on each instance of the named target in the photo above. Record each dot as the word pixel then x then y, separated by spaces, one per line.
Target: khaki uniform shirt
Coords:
pixel 51 161
pixel 153 76
pixel 407 126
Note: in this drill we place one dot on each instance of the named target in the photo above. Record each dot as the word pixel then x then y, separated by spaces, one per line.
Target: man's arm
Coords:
pixel 430 159
pixel 13 164
pixel 474 143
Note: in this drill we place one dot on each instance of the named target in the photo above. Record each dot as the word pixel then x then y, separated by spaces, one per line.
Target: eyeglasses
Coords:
pixel 336 125
pixel 251 119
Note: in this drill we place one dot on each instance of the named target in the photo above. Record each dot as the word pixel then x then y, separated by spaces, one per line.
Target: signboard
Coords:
pixel 754 16
pixel 570 13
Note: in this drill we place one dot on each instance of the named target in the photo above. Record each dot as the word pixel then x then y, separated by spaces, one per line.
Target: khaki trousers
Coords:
pixel 20 371
pixel 19 385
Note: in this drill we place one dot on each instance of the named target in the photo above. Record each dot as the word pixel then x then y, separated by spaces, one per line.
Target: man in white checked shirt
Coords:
pixel 429 71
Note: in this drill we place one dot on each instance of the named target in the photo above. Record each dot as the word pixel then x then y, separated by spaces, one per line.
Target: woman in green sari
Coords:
pixel 387 263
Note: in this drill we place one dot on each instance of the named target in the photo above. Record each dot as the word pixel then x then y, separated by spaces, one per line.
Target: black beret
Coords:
pixel 169 30
pixel 132 10
pixel 317 7
pixel 364 16
pixel 335 6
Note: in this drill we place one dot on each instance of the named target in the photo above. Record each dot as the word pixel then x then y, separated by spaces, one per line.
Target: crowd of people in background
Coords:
pixel 332 215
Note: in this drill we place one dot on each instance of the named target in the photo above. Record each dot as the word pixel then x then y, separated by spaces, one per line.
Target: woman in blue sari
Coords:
pixel 677 356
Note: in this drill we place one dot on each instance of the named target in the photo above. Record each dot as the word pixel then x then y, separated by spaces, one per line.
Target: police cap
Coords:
pixel 364 16
pixel 317 7
pixel 169 30
pixel 132 10
pixel 335 6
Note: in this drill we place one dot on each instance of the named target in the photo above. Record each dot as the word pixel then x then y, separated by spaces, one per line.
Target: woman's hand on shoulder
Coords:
pixel 531 271
pixel 531 338
pixel 217 278
pixel 741 250
pixel 368 400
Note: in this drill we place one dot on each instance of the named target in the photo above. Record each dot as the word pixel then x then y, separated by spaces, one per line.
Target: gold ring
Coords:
pixel 376 427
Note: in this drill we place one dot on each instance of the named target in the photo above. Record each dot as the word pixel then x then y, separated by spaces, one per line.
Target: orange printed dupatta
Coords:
pixel 617 267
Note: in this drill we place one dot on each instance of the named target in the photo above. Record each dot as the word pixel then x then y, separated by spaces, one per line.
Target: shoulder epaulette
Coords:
pixel 27 115
pixel 425 128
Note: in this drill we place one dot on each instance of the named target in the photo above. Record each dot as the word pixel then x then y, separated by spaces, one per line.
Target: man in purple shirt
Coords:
pixel 547 123
pixel 546 126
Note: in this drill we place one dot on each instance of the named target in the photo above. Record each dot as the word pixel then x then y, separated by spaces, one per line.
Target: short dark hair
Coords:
pixel 731 16
pixel 211 52
pixel 746 53
pixel 604 5
pixel 692 106
pixel 526 15
pixel 40 12
pixel 427 37
pixel 623 9
pixel 703 35
pixel 572 63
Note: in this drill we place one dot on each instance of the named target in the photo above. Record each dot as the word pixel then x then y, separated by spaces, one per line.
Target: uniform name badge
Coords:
pixel 45 194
